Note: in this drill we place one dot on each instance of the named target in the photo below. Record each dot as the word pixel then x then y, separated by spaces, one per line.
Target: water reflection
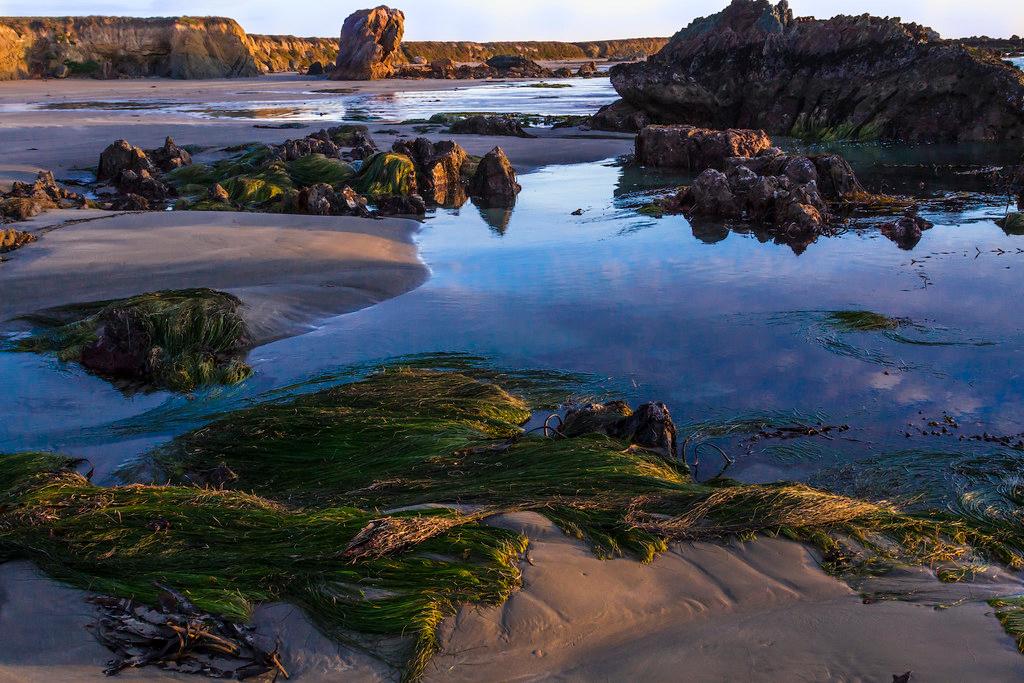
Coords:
pixel 712 321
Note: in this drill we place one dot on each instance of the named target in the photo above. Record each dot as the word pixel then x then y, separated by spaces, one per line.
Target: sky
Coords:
pixel 483 20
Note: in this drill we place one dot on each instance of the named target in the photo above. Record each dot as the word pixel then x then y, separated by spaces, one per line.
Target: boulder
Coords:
pixel 22 208
pixel 123 156
pixel 143 184
pixel 696 149
pixel 620 117
pixel 130 202
pixel 501 125
pixel 11 239
pixel 170 156
pixel 650 426
pixel 517 66
pixel 906 231
pixel 401 205
pixel 219 194
pixel 438 169
pixel 315 69
pixel 587 70
pixel 25 200
pixel 495 180
pixel 370 44
pixel 754 65
pixel 122 346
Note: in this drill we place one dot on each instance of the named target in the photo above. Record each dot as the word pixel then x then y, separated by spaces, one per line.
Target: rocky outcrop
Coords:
pixel 438 169
pixel 26 200
pixel 134 172
pixel 494 182
pixel 322 200
pixel 754 65
pixel 499 125
pixel 370 42
pixel 11 239
pixel 517 66
pixel 170 156
pixel 696 149
pixel 120 47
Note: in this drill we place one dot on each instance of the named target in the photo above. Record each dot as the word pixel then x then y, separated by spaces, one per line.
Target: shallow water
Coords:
pixel 718 324
pixel 581 96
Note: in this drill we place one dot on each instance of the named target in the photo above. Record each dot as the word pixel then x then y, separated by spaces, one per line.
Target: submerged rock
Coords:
pixel 371 42
pixel 754 65
pixel 506 126
pixel 906 231
pixel 696 149
pixel 495 180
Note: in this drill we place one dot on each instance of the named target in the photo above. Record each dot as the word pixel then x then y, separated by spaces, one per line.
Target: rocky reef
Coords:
pixel 25 200
pixel 755 65
pixel 123 47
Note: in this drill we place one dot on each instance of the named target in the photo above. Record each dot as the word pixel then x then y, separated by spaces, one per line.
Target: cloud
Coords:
pixel 534 19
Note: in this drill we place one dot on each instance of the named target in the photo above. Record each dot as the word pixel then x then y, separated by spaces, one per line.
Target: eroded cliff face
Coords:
pixel 276 54
pixel 467 51
pixel 122 47
pixel 754 65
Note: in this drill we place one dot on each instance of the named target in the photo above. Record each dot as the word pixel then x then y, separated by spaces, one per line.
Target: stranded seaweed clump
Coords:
pixel 287 500
pixel 178 340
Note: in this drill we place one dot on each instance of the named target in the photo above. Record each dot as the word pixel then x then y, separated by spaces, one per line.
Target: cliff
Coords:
pixel 276 54
pixel 121 47
pixel 467 51
pixel 213 47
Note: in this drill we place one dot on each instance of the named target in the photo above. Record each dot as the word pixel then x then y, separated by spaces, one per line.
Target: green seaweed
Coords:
pixel 386 174
pixel 195 336
pixel 316 168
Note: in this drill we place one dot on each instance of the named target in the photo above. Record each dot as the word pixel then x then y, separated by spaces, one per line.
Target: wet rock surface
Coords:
pixel 438 169
pixel 650 426
pixel 620 117
pixel 907 230
pixel 754 65
pixel 691 148
pixel 494 181
pixel 506 126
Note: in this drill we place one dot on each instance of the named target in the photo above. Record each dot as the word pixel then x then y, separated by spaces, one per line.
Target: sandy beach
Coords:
pixel 760 611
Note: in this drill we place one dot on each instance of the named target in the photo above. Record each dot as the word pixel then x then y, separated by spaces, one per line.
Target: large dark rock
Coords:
pixel 506 126
pixel 438 169
pixel 123 156
pixel 495 180
pixel 401 205
pixel 650 426
pixel 620 117
pixel 906 231
pixel 697 149
pixel 754 65
pixel 321 199
pixel 122 346
pixel 517 66
pixel 371 41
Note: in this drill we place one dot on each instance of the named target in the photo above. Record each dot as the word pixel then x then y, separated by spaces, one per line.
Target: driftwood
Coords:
pixel 179 637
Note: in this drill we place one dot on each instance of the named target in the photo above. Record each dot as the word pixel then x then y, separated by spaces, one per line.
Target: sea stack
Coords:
pixel 371 40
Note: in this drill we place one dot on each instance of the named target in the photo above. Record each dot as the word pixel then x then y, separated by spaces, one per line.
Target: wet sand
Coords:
pixel 760 611
pixel 290 271
pixel 63 141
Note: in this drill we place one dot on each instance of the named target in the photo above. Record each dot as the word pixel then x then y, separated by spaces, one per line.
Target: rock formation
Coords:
pixel 118 47
pixel 26 200
pixel 11 239
pixel 438 169
pixel 906 231
pixel 620 117
pixel 499 125
pixel 495 180
pixel 370 42
pixel 754 65
pixel 696 149
pixel 649 427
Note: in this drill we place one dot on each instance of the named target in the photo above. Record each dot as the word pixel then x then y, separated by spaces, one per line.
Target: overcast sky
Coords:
pixel 484 20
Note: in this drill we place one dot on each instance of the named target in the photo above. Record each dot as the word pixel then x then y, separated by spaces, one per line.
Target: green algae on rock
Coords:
pixel 179 340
